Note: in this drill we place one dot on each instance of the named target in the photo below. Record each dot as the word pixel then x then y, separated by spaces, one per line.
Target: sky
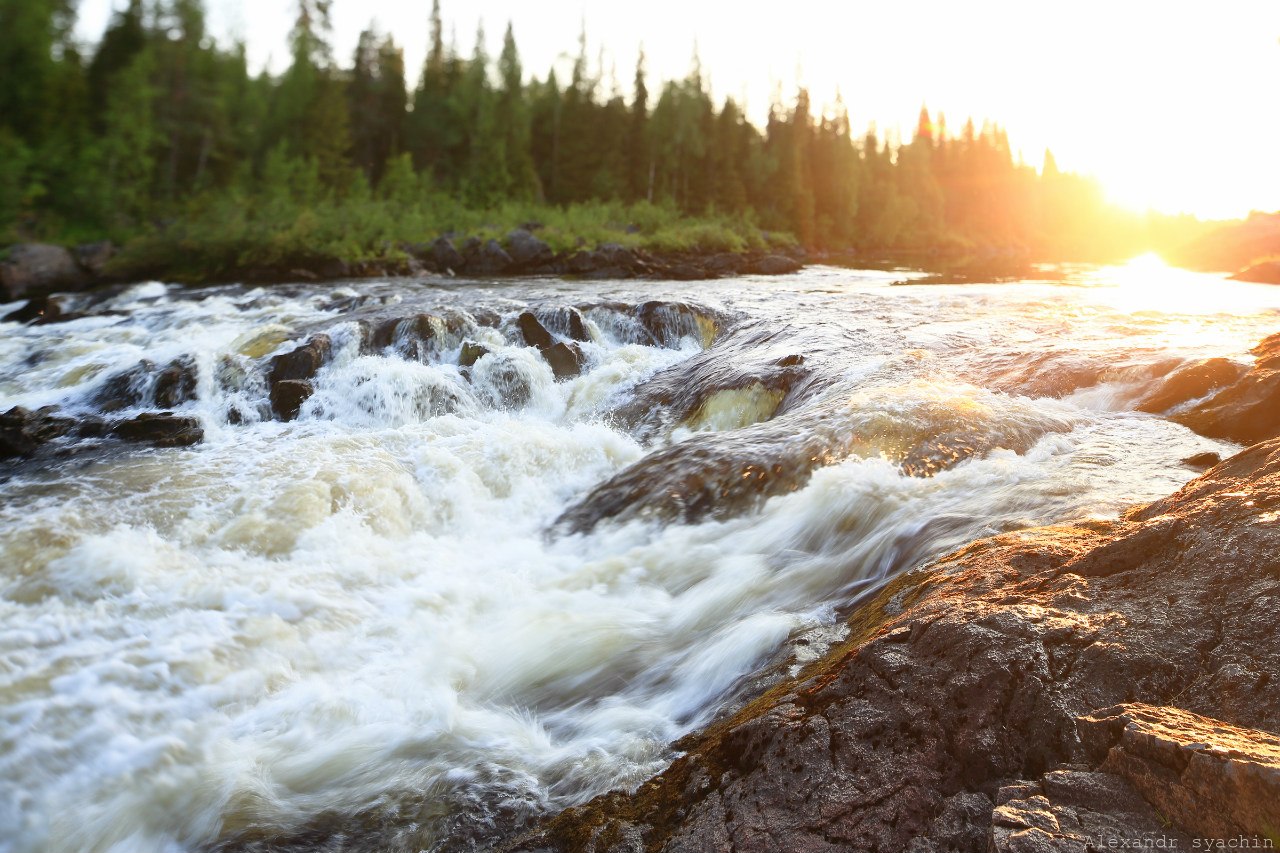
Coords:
pixel 1172 105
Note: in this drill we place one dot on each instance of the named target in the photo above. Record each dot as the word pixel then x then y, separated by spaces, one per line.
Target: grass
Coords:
pixel 222 235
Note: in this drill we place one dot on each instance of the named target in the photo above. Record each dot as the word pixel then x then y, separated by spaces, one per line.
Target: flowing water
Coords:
pixel 448 599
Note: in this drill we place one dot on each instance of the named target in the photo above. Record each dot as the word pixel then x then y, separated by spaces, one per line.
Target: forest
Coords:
pixel 165 141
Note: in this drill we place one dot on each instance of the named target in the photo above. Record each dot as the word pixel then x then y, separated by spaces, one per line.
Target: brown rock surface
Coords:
pixel 960 685
pixel 1248 410
pixel 1215 779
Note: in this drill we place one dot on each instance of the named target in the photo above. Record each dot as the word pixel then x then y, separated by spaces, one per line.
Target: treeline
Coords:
pixel 158 124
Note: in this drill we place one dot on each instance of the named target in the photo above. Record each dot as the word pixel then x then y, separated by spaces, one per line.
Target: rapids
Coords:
pixel 450 598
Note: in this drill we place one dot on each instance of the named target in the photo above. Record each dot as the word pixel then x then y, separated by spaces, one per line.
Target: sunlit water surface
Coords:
pixel 367 612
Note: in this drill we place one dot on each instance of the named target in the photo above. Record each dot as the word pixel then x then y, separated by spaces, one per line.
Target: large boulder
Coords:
pixel 445 256
pixel 175 384
pixel 290 375
pixel 566 359
pixel 976 698
pixel 534 333
pixel 34 269
pixel 488 258
pixel 1190 382
pixel 526 250
pixel 94 257
pixel 775 265
pixel 1248 410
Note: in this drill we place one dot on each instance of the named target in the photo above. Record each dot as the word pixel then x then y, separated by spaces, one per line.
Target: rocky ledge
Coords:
pixel 1071 688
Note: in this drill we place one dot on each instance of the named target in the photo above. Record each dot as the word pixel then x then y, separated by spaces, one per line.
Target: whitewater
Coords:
pixel 450 598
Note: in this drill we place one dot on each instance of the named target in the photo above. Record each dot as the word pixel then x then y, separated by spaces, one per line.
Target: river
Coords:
pixel 448 599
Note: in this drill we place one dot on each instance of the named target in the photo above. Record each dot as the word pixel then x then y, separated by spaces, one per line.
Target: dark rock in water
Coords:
pixel 526 250
pixel 1201 461
pixel 1267 272
pixel 176 383
pixel 775 265
pixel 488 259
pixel 446 257
pixel 566 359
pixel 288 395
pixel 33 309
pixel 471 353
pixel 303 362
pixel 93 257
pixel 535 334
pixel 1109 680
pixel 411 336
pixel 162 429
pixel 23 431
pixel 564 320
pixel 126 389
pixel 671 322
pixel 36 269
pixel 1248 410
pixel 726 263
pixel 1190 382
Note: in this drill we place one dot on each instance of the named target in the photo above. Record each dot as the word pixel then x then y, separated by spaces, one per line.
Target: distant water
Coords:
pixel 366 628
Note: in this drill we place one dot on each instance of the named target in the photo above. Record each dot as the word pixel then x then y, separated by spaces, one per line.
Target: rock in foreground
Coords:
pixel 1042 690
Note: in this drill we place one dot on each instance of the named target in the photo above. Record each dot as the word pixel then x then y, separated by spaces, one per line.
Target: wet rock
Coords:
pixel 471 353
pixel 35 269
pixel 303 362
pixel 668 323
pixel 1202 461
pixel 32 309
pixel 527 251
pixel 288 395
pixel 412 337
pixel 126 389
pixel 488 259
pixel 741 360
pixel 969 675
pixel 1267 272
pixel 534 333
pixel 176 383
pixel 775 265
pixel 566 359
pixel 445 256
pixel 1190 382
pixel 565 321
pixel 1214 779
pixel 23 431
pixel 160 429
pixel 1248 410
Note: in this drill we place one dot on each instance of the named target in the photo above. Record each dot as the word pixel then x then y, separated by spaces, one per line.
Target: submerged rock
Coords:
pixel 977 698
